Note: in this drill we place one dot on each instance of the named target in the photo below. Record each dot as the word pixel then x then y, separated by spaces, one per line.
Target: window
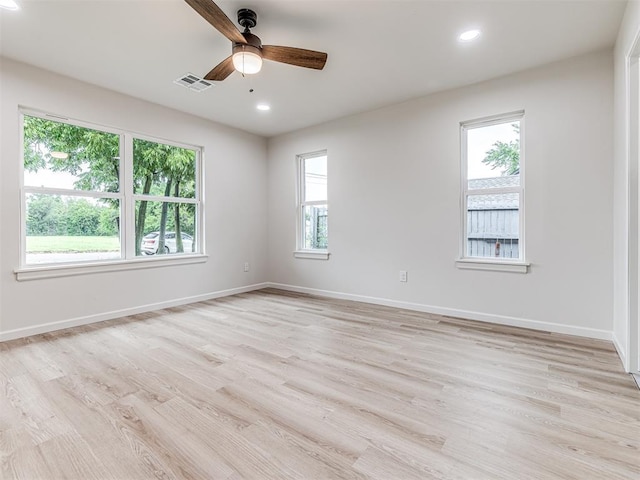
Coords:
pixel 164 187
pixel 312 203
pixel 492 188
pixel 88 198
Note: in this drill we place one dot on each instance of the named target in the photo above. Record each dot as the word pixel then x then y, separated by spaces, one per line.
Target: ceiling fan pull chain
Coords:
pixel 243 58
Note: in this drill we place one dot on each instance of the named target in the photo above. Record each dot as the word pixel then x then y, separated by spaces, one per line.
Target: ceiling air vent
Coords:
pixel 192 82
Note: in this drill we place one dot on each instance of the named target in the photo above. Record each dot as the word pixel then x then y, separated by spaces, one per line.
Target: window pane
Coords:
pixel 315 178
pixel 71 229
pixel 493 156
pixel 493 225
pixel 155 218
pixel 315 227
pixel 59 155
pixel 163 170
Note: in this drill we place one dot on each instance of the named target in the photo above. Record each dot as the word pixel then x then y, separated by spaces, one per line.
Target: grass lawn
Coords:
pixel 72 244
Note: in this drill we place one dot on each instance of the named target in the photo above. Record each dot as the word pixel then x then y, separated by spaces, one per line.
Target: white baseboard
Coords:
pixel 466 314
pixel 75 322
pixel 622 352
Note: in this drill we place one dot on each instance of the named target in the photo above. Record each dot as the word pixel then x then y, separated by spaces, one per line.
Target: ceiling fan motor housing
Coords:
pixel 250 39
pixel 253 44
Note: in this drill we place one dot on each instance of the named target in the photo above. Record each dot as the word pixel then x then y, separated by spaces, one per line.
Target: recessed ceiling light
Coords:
pixel 263 107
pixel 9 4
pixel 469 35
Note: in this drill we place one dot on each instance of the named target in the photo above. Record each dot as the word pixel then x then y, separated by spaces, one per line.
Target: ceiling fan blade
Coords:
pixel 216 17
pixel 221 71
pixel 295 56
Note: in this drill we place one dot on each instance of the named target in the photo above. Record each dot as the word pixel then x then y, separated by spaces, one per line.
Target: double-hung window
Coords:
pixel 95 194
pixel 493 190
pixel 312 223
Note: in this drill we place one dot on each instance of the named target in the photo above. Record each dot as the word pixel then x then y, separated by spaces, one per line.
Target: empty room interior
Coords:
pixel 320 239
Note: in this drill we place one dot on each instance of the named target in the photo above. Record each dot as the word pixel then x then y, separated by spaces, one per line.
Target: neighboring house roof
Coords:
pixel 495 182
pixel 491 201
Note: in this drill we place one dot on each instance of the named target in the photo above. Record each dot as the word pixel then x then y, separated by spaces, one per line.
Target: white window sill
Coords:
pixel 38 272
pixel 493 265
pixel 312 254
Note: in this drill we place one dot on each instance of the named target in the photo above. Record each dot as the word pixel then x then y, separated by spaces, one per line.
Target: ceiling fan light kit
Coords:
pixel 247 51
pixel 247 59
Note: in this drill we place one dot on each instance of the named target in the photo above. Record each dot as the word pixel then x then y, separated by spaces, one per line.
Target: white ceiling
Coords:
pixel 380 51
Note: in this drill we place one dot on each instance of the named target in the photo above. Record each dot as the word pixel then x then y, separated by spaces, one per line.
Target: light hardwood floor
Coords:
pixel 275 385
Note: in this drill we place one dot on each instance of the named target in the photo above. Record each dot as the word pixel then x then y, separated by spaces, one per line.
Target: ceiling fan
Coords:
pixel 247 49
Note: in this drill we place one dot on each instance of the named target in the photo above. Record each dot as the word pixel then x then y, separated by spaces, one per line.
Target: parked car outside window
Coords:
pixel 151 242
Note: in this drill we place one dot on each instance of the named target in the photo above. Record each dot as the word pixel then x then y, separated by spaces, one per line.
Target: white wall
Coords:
pixel 394 186
pixel 235 193
pixel 625 325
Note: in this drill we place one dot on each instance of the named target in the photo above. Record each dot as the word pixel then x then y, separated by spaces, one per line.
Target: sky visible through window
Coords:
pixel 315 169
pixel 47 178
pixel 479 142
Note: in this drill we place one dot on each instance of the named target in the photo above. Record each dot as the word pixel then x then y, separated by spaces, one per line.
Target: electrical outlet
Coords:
pixel 246 266
pixel 403 275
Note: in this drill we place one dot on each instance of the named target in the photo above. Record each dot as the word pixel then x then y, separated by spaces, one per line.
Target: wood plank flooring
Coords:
pixel 275 385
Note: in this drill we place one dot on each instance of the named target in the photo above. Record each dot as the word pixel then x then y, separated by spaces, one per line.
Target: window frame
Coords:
pixel 196 200
pixel 127 200
pixel 519 265
pixel 301 251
